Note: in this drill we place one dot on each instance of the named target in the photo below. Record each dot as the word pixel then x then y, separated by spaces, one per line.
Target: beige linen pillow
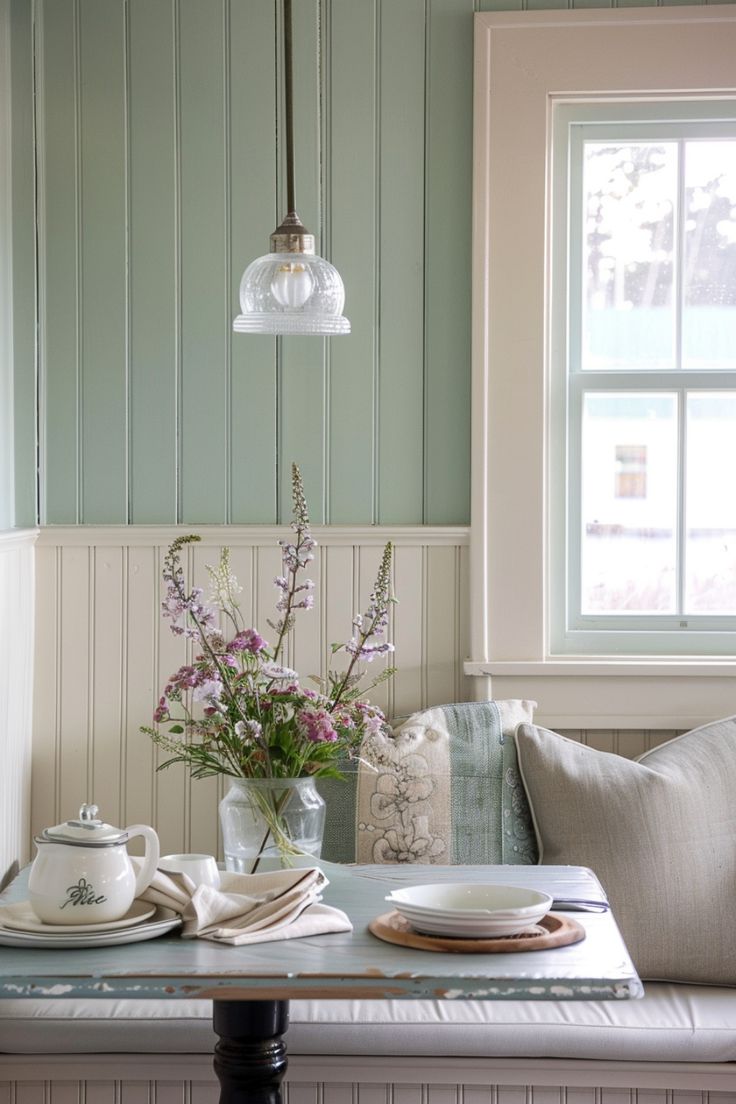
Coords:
pixel 660 833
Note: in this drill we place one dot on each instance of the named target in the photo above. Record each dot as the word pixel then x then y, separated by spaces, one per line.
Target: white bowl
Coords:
pixel 473 911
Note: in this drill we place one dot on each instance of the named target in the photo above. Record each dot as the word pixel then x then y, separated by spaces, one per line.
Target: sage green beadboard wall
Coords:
pixel 158 178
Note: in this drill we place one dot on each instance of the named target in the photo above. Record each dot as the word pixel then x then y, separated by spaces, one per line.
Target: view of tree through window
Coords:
pixel 658 261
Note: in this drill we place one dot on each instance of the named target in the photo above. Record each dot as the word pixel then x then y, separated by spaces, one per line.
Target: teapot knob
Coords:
pixel 88 812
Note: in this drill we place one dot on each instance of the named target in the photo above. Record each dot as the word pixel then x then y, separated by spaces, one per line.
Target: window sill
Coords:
pixel 596 692
pixel 605 665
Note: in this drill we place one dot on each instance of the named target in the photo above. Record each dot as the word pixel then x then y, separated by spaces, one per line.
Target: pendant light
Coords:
pixel 291 290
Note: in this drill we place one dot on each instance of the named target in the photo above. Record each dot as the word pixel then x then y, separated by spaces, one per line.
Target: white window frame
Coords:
pixel 570 631
pixel 525 63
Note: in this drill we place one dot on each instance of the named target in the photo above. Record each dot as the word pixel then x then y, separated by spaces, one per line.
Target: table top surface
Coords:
pixel 346 965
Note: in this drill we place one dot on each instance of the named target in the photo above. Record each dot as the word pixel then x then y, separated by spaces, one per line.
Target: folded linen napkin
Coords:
pixel 249 908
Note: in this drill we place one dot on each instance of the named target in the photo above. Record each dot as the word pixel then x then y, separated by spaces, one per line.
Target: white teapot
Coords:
pixel 82 873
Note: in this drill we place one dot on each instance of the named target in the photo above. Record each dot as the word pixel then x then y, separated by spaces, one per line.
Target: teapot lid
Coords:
pixel 87 831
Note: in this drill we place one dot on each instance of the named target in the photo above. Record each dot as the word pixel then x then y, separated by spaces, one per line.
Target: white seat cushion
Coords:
pixel 686 1023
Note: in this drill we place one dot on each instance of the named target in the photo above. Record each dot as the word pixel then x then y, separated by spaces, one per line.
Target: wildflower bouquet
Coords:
pixel 236 709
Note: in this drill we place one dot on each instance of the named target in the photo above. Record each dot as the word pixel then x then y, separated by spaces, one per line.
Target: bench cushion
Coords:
pixel 684 1023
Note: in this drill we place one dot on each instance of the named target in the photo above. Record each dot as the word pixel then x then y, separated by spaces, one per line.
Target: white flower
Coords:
pixel 208 691
pixel 276 671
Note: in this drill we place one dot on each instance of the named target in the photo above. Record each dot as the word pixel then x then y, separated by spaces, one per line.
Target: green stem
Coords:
pixel 271 814
pixel 221 671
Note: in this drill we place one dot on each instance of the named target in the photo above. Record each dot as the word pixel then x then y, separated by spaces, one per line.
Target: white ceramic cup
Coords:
pixel 202 869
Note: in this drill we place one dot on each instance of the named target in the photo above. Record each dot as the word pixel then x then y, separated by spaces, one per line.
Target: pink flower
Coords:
pixel 248 641
pixel 317 725
pixel 161 713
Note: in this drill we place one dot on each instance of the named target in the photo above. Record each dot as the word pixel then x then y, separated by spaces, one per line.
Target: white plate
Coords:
pixel 471 900
pixel 471 929
pixel 464 909
pixel 164 920
pixel 21 917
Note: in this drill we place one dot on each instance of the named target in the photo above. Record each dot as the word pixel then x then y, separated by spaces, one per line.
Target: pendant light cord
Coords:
pixel 289 111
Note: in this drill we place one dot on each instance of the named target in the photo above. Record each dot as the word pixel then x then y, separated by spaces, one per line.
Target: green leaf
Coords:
pixel 176 729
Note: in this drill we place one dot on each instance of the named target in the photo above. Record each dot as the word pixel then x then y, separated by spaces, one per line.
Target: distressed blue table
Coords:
pixel 251 986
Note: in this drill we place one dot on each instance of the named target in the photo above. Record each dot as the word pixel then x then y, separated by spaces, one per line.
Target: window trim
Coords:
pixel 573 123
pixel 523 63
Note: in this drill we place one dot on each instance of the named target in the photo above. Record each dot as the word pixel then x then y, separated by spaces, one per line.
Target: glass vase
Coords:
pixel 270 819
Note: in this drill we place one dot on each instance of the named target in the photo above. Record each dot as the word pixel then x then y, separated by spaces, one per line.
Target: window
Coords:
pixel 644 324
pixel 604 312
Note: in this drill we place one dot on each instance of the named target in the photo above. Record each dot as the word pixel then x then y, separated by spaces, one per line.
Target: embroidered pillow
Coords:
pixel 445 789
pixel 660 833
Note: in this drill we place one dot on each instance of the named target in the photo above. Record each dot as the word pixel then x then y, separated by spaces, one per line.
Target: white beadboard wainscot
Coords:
pixel 103 652
pixel 16 686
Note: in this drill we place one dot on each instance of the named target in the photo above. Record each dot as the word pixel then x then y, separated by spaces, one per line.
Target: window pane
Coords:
pixel 629 503
pixel 710 553
pixel 629 192
pixel 709 278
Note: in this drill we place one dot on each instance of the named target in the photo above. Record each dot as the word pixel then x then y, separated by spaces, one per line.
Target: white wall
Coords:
pixel 16 690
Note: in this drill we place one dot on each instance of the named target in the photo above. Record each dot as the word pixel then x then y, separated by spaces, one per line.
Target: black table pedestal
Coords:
pixel 250 1058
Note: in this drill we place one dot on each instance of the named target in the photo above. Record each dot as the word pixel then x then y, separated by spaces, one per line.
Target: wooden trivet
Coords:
pixel 551 931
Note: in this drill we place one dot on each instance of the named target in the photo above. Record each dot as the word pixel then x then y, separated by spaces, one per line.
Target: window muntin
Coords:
pixel 650 320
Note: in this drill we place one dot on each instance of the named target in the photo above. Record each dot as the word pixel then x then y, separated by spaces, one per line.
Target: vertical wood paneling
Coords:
pixel 7 511
pixel 483 1094
pixel 337 606
pixel 135 1092
pixel 16 690
pixel 354 159
pixel 203 792
pixel 170 1092
pixel 267 566
pixel 103 251
pixel 157 183
pixel 447 260
pixel 109 674
pixel 408 632
pixel 47 690
pixel 306 1088
pixel 442 646
pixel 142 685
pixel 30 1092
pixel 171 790
pixel 71 1092
pixel 400 362
pixel 153 204
pixel 104 655
pixel 21 409
pixel 205 291
pixel 303 1092
pixel 252 414
pixel 59 301
pixel 302 395
pixel 307 648
pixel 74 762
pixel 368 564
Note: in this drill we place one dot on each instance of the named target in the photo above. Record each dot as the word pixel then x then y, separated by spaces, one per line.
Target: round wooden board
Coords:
pixel 551 931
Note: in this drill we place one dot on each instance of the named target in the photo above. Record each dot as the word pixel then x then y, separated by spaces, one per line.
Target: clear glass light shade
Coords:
pixel 291 293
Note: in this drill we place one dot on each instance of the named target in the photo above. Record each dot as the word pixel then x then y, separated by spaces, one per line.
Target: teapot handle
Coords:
pixel 150 859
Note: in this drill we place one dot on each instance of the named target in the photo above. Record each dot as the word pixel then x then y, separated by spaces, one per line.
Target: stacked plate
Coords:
pixel 20 927
pixel 470 911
